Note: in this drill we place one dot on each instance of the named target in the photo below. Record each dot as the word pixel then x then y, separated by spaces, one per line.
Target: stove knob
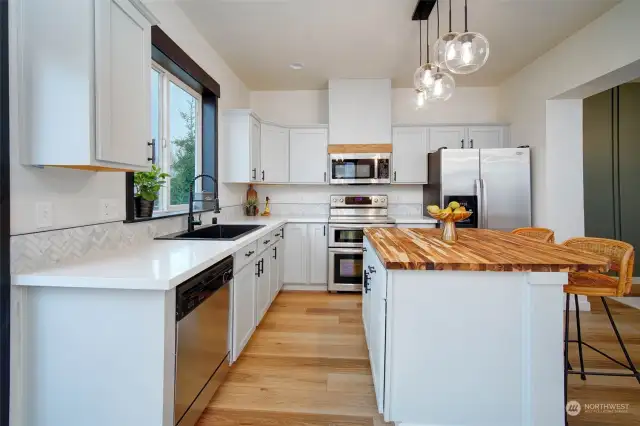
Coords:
pixel 342 200
pixel 334 200
pixel 375 200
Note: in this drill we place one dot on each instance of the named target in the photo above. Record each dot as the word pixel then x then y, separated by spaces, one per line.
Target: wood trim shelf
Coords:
pixel 359 148
pixel 92 168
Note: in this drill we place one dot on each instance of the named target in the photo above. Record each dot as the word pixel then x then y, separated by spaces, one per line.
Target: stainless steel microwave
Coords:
pixel 360 168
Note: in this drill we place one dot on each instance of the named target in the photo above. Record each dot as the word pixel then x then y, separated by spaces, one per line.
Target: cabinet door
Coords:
pixel 448 137
pixel 274 270
pixel 244 308
pixel 410 149
pixel 318 253
pixel 308 160
pixel 263 291
pixel 485 137
pixel 295 253
pixel 255 150
pixel 281 255
pixel 123 59
pixel 274 154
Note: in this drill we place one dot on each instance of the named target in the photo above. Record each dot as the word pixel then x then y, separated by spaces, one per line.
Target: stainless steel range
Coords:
pixel 349 215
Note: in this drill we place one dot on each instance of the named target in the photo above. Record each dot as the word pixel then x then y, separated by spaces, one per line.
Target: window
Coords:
pixel 176 122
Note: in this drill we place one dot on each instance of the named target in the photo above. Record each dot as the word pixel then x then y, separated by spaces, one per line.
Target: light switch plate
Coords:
pixel 44 214
pixel 108 208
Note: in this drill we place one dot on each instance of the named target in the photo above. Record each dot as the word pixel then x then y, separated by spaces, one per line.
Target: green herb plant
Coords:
pixel 147 184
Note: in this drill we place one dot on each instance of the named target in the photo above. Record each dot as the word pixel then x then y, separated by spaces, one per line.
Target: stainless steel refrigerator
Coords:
pixel 494 183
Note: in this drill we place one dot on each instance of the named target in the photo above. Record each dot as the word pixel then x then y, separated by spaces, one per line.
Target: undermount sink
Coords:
pixel 214 232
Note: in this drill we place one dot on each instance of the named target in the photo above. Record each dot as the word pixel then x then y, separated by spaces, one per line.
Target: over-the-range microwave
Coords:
pixel 362 169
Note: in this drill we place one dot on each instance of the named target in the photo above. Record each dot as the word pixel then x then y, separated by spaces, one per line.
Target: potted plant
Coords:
pixel 147 185
pixel 251 207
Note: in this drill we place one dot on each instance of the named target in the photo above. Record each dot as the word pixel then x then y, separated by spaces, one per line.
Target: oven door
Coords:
pixel 345 269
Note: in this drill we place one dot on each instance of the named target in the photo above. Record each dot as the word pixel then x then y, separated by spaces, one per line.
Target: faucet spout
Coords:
pixel 216 201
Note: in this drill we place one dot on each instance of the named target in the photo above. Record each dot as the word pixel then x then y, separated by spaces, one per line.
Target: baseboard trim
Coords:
pixel 304 287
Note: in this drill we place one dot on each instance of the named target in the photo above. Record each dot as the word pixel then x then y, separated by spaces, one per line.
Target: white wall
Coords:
pixel 468 105
pixel 600 56
pixel 75 195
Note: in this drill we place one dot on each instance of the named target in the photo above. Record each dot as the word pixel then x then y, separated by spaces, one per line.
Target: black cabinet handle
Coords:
pixel 254 173
pixel 262 265
pixel 462 143
pixel 364 249
pixel 324 230
pixel 275 252
pixel 394 177
pixel 367 288
pixel 471 143
pixel 152 144
pixel 282 232
pixel 372 269
pixel 325 176
pixel 266 242
pixel 249 253
pixel 276 235
pixel 258 271
pixel 263 175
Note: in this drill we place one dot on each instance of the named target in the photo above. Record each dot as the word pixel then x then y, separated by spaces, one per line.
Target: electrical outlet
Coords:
pixel 108 208
pixel 44 214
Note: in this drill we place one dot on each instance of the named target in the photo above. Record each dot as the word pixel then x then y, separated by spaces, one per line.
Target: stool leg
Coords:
pixel 624 349
pixel 566 356
pixel 582 375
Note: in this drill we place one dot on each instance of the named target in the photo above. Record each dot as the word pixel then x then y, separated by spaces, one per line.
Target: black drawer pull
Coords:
pixel 249 253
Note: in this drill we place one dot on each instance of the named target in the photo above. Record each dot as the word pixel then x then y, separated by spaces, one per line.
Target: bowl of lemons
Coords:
pixel 453 213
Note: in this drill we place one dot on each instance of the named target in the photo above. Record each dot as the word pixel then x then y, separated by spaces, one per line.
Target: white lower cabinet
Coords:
pixel 305 254
pixel 244 308
pixel 374 309
pixel 274 270
pixel 263 291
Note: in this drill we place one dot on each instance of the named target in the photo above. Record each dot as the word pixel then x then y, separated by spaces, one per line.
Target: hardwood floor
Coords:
pixel 307 365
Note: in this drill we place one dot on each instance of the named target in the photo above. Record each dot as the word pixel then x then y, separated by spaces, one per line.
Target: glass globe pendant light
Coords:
pixel 421 98
pixel 423 77
pixel 442 47
pixel 470 50
pixel 443 83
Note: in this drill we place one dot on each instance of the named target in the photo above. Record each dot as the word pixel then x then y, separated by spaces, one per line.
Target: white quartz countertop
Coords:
pixel 413 219
pixel 157 265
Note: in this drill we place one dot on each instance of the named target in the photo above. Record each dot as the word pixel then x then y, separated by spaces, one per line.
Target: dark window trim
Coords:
pixel 5 229
pixel 175 60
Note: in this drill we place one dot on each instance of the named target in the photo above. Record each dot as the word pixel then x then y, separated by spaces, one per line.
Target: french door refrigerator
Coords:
pixel 494 183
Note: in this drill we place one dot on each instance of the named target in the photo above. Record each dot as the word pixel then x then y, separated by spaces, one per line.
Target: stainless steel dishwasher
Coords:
pixel 202 351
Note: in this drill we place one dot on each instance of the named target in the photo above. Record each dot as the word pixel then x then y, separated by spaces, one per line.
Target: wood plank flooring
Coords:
pixel 307 365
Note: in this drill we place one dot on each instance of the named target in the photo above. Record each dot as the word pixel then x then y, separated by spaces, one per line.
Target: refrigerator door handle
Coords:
pixel 478 194
pixel 485 205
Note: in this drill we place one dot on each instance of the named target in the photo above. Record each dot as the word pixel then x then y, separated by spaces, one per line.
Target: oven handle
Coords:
pixel 346 250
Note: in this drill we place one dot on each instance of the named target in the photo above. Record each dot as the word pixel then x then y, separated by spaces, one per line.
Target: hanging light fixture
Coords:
pixel 469 50
pixel 443 83
pixel 442 47
pixel 423 77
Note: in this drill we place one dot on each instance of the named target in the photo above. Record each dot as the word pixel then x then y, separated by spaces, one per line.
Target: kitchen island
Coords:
pixel 470 333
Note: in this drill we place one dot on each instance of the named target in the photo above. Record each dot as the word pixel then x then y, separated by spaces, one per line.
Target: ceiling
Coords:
pixel 259 39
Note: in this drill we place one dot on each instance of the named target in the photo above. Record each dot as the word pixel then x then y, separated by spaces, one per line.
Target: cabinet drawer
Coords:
pixel 245 255
pixel 265 241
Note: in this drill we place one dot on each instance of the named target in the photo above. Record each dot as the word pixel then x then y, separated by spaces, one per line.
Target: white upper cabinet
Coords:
pixel 274 154
pixel 308 159
pixel 446 137
pixel 359 111
pixel 84 92
pixel 410 149
pixel 485 137
pixel 241 139
pixel 317 253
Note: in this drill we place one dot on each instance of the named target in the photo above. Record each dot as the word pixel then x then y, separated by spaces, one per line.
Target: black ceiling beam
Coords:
pixel 423 10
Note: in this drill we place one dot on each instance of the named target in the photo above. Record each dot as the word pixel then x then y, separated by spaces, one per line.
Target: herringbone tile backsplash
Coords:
pixel 30 252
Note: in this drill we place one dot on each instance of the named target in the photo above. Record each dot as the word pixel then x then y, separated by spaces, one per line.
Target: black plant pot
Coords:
pixel 143 208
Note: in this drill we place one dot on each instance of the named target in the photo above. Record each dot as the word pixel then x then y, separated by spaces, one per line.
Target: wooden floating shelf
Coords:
pixel 361 148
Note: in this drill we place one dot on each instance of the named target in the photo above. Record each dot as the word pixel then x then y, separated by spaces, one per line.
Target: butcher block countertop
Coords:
pixel 477 250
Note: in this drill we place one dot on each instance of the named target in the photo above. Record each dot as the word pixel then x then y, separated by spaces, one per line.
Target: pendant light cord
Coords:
pixel 420 64
pixel 427 40
pixel 449 15
pixel 466 30
pixel 438 16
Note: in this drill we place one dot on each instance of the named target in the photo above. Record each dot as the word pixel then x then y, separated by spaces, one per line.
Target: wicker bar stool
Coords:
pixel 621 256
pixel 543 234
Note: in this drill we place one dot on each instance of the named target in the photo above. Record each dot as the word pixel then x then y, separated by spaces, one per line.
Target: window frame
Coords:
pixel 164 123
